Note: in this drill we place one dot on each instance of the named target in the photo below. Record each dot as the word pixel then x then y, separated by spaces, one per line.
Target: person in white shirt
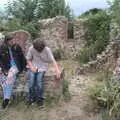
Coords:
pixel 38 58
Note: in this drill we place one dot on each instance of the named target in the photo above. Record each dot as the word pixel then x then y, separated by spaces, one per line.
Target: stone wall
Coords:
pixel 108 58
pixel 79 32
pixel 52 86
pixel 55 32
pixel 105 61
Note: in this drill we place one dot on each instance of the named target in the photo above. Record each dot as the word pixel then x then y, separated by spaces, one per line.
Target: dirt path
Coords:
pixel 78 108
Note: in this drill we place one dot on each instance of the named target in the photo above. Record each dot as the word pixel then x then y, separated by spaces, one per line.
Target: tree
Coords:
pixel 52 8
pixel 30 10
pixel 93 11
pixel 22 9
pixel 115 11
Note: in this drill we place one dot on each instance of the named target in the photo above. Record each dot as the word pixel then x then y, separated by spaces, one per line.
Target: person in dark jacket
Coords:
pixel 12 62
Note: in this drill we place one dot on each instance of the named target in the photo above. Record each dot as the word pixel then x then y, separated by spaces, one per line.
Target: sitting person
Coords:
pixel 38 58
pixel 12 61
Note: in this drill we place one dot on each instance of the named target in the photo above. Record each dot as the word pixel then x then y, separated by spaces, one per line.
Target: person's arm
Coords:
pixel 31 66
pixel 29 58
pixel 115 71
pixel 56 69
pixel 54 63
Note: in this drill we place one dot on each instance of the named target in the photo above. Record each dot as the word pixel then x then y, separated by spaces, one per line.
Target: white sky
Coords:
pixel 79 6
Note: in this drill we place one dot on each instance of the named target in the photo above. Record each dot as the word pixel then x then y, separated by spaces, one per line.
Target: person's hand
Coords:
pixel 5 73
pixel 57 81
pixel 33 69
pixel 58 73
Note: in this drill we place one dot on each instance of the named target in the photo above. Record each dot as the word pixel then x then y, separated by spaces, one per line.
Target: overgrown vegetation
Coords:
pixel 97 36
pixel 53 98
pixel 12 25
pixel 93 11
pixel 65 90
pixel 24 14
pixel 114 12
pixel 32 10
pixel 107 95
pixel 59 54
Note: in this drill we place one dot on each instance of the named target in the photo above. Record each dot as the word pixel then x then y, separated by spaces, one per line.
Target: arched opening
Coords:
pixel 70 30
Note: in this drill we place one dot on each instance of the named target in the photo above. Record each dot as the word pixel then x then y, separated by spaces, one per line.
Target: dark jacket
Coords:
pixel 17 55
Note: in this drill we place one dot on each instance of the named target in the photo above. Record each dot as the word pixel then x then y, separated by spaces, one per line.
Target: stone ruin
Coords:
pixel 55 32
pixel 105 61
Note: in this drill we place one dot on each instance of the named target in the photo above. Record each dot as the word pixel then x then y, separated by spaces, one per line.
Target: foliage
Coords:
pixel 32 27
pixel 58 54
pixel 90 12
pixel 98 28
pixel 24 14
pixel 22 10
pixel 53 98
pixel 97 36
pixel 52 8
pixel 107 95
pixel 114 11
pixel 65 90
pixel 32 10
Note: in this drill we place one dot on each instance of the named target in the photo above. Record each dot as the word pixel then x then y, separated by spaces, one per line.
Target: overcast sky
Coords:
pixel 78 6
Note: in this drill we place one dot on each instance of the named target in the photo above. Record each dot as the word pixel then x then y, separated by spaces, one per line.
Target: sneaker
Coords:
pixel 40 102
pixel 5 103
pixel 30 102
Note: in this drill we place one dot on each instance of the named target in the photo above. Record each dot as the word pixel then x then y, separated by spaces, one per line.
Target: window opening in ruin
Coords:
pixel 70 31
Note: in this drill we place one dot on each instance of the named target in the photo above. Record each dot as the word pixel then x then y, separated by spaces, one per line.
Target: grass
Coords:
pixel 107 94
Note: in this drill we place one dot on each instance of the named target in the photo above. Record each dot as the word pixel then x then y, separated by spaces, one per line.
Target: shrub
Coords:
pixel 90 52
pixel 65 90
pixel 58 54
pixel 97 36
pixel 107 95
pixel 15 24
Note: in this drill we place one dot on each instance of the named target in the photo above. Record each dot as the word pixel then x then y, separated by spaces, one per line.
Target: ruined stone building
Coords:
pixel 55 32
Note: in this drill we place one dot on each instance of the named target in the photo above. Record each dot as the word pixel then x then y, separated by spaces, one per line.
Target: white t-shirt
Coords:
pixel 40 59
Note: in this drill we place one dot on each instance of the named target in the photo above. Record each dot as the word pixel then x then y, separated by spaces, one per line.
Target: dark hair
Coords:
pixel 39 44
pixel 8 37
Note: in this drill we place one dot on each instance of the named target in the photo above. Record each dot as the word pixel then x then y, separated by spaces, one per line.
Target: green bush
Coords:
pixel 65 90
pixel 15 24
pixel 33 28
pixel 107 95
pixel 89 52
pixel 58 54
pixel 97 36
